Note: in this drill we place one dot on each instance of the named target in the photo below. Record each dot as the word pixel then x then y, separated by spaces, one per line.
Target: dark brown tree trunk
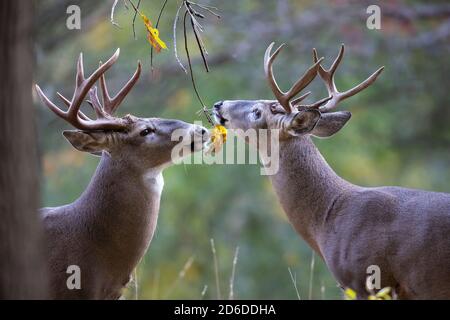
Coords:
pixel 22 268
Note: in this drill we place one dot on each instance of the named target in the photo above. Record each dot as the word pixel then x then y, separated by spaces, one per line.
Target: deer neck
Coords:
pixel 307 187
pixel 121 206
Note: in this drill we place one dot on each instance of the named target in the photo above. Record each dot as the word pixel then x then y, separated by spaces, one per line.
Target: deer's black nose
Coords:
pixel 218 104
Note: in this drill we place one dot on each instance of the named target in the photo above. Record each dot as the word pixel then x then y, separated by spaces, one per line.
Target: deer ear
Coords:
pixel 330 123
pixel 92 142
pixel 303 122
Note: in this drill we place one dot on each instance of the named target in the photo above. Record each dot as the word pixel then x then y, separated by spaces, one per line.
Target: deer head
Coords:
pixel 144 142
pixel 287 113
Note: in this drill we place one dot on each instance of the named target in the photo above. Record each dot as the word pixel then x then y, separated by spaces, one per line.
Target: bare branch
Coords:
pixel 134 19
pixel 112 14
pixel 156 26
pixel 177 15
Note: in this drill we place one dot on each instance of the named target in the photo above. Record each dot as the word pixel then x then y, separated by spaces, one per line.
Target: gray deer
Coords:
pixel 107 230
pixel 405 232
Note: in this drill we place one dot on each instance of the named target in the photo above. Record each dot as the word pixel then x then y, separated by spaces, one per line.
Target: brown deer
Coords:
pixel 405 232
pixel 107 230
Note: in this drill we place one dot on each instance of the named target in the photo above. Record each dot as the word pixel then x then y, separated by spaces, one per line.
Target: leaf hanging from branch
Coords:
pixel 156 26
pixel 192 14
pixel 153 35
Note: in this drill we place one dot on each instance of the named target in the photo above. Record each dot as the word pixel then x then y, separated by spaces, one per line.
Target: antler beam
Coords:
pixel 328 78
pixel 83 86
pixel 284 98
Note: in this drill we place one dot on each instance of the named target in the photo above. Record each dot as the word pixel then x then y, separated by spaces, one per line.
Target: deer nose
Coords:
pixel 218 104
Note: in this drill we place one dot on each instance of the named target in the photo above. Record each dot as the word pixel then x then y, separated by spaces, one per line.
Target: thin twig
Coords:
pixel 136 11
pixel 216 268
pixel 205 288
pixel 136 288
pixel 181 275
pixel 175 37
pixel 294 281
pixel 160 13
pixel 207 8
pixel 193 14
pixel 233 270
pixel 113 8
pixel 200 44
pixel 196 29
pixel 311 276
pixel 322 290
pixel 204 6
pixel 156 26
pixel 194 85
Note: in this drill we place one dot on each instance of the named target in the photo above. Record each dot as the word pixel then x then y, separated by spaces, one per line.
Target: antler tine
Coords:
pixel 325 74
pixel 82 89
pixel 268 61
pixel 371 79
pixel 304 80
pixel 80 70
pixel 301 98
pixel 111 104
pixel 48 103
pixel 64 99
pixel 314 105
pixel 285 97
pixel 95 103
pixel 73 115
pixel 328 77
pixel 67 103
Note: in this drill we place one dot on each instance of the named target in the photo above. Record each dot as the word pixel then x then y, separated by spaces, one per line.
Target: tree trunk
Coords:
pixel 22 267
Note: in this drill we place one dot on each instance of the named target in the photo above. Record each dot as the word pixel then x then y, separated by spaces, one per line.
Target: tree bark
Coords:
pixel 22 266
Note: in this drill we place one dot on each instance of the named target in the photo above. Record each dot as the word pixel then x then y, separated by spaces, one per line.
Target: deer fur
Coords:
pixel 107 230
pixel 405 232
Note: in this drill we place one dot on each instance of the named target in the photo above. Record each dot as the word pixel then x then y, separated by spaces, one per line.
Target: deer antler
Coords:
pixel 111 104
pixel 328 77
pixel 284 98
pixel 83 86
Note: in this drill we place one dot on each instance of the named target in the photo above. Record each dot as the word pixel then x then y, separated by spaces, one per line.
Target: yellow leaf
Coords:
pixel 219 132
pixel 153 35
pixel 349 294
pixel 384 293
pixel 218 138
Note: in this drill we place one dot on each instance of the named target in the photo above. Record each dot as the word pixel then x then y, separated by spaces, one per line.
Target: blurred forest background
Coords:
pixel 399 133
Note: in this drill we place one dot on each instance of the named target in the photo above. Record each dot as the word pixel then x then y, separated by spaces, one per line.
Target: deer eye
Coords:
pixel 146 131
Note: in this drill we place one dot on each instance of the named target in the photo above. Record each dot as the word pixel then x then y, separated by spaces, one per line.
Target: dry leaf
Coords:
pixel 153 35
pixel 218 138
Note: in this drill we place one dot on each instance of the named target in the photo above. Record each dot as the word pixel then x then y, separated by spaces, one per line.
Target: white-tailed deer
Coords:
pixel 405 232
pixel 107 230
